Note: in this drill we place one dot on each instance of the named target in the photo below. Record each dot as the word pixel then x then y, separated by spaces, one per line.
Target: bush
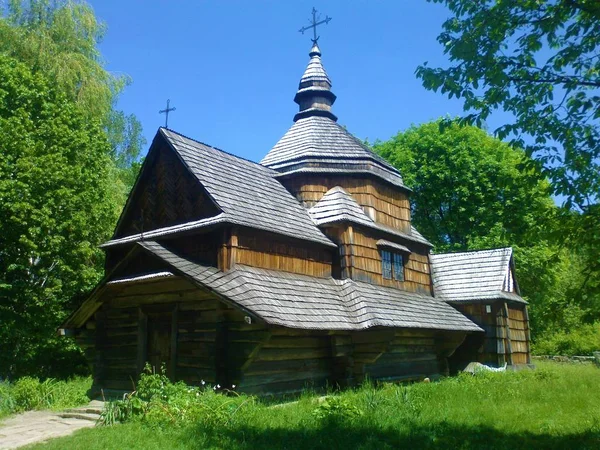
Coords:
pixel 160 403
pixel 336 409
pixel 582 341
pixel 30 393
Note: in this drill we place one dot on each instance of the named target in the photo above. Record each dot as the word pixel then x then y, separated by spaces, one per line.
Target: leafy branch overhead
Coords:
pixel 540 61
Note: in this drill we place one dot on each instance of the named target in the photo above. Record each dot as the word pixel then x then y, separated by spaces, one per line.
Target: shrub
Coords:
pixel 581 341
pixel 336 409
pixel 29 393
pixel 160 403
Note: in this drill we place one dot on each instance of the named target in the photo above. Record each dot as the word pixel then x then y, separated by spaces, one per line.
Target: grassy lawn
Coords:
pixel 556 406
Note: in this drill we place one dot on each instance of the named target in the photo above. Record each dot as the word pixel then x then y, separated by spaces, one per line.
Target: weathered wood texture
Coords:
pixel 131 316
pixel 200 247
pixel 384 204
pixel 167 194
pixel 361 258
pixel 258 249
pixel 519 334
pixel 289 361
pixel 506 338
pixel 402 354
pixel 203 339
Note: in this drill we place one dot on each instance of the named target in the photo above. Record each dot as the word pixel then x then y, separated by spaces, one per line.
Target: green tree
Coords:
pixel 540 61
pixel 470 192
pixel 468 185
pixel 60 39
pixel 57 203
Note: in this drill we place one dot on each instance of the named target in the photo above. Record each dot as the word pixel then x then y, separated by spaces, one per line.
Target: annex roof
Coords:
pixel 298 301
pixel 246 193
pixel 319 144
pixel 472 276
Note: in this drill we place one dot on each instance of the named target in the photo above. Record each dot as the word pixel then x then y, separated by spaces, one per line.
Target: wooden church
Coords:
pixel 303 270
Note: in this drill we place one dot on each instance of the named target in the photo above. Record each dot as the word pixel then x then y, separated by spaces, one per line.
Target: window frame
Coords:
pixel 392 265
pixel 387 264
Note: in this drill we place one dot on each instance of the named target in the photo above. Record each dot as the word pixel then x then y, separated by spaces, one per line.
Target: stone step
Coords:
pixel 84 410
pixel 80 416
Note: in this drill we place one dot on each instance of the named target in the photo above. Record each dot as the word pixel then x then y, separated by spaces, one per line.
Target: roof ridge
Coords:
pixel 212 147
pixel 457 252
pixel 371 152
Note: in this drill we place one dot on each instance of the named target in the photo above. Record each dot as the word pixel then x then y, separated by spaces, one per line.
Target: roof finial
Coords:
pixel 313 24
pixel 166 112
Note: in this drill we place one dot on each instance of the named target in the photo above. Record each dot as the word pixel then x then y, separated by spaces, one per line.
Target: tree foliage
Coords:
pixel 540 61
pixel 468 185
pixel 57 203
pixel 60 39
pixel 470 192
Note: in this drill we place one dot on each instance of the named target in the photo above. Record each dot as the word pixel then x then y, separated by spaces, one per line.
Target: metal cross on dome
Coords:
pixel 166 113
pixel 314 23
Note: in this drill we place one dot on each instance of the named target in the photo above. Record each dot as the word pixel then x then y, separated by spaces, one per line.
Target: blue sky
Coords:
pixel 231 68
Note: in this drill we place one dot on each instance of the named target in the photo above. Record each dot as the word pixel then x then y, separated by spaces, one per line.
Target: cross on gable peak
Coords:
pixel 166 112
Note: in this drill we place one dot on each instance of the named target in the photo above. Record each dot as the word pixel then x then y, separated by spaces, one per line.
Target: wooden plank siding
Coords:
pixel 366 263
pixel 519 334
pixel 167 194
pixel 384 204
pixel 258 249
pixel 506 338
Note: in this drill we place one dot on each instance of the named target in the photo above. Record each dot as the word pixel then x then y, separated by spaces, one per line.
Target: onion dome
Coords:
pixel 316 143
pixel 314 96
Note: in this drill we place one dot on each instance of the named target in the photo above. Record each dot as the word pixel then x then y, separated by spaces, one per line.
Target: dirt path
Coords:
pixel 39 426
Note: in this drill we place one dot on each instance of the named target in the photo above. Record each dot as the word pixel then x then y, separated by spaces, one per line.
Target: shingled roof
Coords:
pixel 316 142
pixel 298 301
pixel 246 193
pixel 338 205
pixel 472 276
pixel 320 145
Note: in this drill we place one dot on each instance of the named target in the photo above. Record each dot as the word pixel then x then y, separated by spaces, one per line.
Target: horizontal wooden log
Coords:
pixel 197 336
pixel 248 335
pixel 297 342
pixel 303 376
pixel 367 337
pixel 427 367
pixel 195 362
pixel 303 365
pixel 278 354
pixel 285 387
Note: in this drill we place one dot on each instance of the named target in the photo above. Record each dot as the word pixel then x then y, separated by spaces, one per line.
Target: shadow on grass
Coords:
pixel 345 436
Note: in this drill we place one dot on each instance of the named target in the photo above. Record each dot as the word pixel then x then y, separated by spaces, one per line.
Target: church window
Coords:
pixel 392 265
pixel 398 267
pixel 386 261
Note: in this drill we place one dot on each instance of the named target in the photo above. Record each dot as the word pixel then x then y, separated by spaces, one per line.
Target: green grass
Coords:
pixel 553 407
pixel 30 393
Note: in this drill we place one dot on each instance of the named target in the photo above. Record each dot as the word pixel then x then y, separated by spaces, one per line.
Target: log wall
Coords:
pixel 383 203
pixel 289 361
pixel 216 343
pixel 120 332
pixel 404 354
